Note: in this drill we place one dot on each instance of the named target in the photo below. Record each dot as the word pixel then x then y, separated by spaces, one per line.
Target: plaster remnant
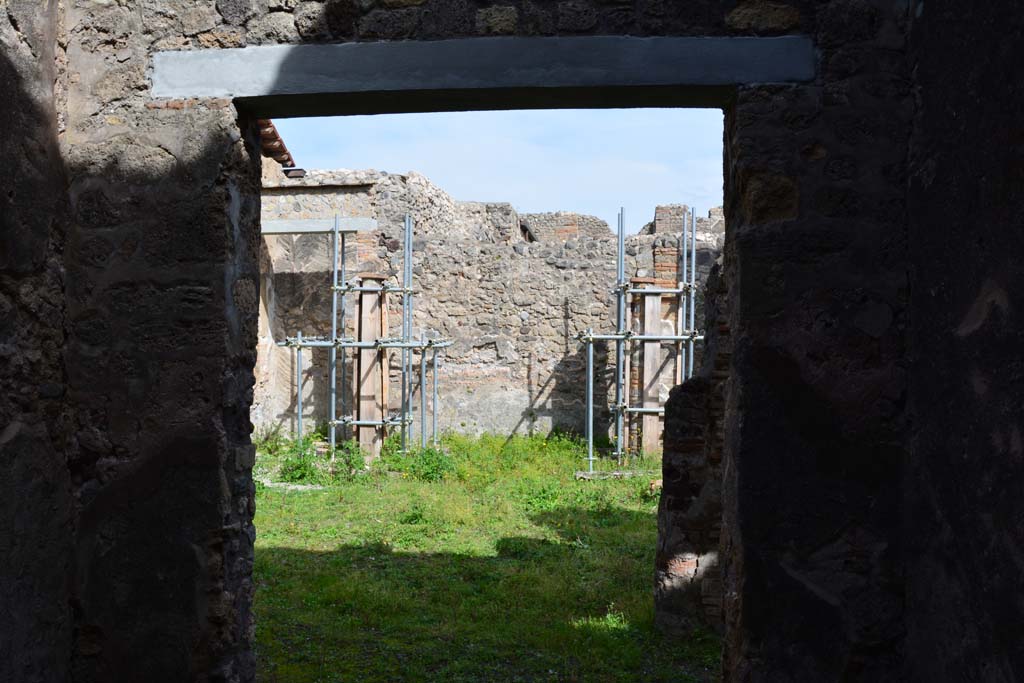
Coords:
pixel 769 197
pixel 763 16
pixel 991 297
pixel 497 20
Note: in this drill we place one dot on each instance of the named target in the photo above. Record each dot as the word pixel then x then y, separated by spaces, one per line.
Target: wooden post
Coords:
pixel 371 375
pixel 651 423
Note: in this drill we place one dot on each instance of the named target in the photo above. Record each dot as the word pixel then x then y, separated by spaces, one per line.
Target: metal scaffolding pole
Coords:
pixel 648 291
pixel 298 382
pixel 406 327
pixel 646 411
pixel 682 341
pixel 383 343
pixel 688 335
pixel 433 409
pixel 423 397
pixel 344 353
pixel 693 285
pixel 333 351
pixel 590 403
pixel 620 327
pixel 344 415
pixel 681 281
pixel 369 423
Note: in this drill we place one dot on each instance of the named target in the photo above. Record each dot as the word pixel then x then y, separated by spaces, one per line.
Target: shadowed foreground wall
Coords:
pixel 814 434
pixel 36 503
pixel 127 329
pixel 964 518
pixel 872 421
pixel 884 544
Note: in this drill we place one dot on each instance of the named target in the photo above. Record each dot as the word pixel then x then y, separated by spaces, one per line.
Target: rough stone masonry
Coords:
pixel 511 290
pixel 871 424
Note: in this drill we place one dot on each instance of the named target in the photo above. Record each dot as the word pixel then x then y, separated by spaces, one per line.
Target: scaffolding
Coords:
pixel 340 414
pixel 685 291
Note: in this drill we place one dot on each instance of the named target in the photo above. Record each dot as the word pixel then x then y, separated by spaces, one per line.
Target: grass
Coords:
pixel 482 561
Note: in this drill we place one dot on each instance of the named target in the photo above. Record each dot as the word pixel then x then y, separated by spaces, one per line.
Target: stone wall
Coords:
pixel 512 292
pixel 561 226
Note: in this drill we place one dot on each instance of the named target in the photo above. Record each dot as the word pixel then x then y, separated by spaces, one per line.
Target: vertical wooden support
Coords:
pixel 651 423
pixel 384 361
pixel 371 374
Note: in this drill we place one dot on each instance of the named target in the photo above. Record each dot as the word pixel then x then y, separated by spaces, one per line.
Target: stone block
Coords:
pixel 763 16
pixel 497 20
pixel 575 16
pixel 767 197
pixel 238 12
pixel 276 27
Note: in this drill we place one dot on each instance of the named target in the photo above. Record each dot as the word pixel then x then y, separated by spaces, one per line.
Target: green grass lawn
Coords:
pixel 488 562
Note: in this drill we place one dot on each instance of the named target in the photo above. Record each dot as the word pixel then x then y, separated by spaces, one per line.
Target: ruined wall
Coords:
pixel 510 291
pixel 562 226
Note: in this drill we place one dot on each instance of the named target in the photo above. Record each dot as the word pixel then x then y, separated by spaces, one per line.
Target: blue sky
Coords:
pixel 588 161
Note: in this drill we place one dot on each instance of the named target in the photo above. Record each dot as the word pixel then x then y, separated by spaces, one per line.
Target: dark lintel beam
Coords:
pixel 482 73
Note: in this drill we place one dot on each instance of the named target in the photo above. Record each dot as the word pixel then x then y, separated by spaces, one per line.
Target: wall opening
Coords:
pixel 455 559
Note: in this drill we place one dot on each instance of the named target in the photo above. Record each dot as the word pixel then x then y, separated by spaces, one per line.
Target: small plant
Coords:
pixel 428 464
pixel 392 445
pixel 524 548
pixel 299 463
pixel 304 447
pixel 613 620
pixel 647 490
pixel 299 470
pixel 414 515
pixel 540 494
pixel 349 461
pixel 270 440
pixel 302 464
pixel 432 464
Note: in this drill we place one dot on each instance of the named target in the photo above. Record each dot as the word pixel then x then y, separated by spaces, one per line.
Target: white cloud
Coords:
pixel 590 161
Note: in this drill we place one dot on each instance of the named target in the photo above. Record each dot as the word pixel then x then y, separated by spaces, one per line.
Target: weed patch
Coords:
pixel 427 464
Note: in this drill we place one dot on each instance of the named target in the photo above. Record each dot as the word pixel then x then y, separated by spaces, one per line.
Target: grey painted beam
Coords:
pixel 481 72
pixel 313 225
